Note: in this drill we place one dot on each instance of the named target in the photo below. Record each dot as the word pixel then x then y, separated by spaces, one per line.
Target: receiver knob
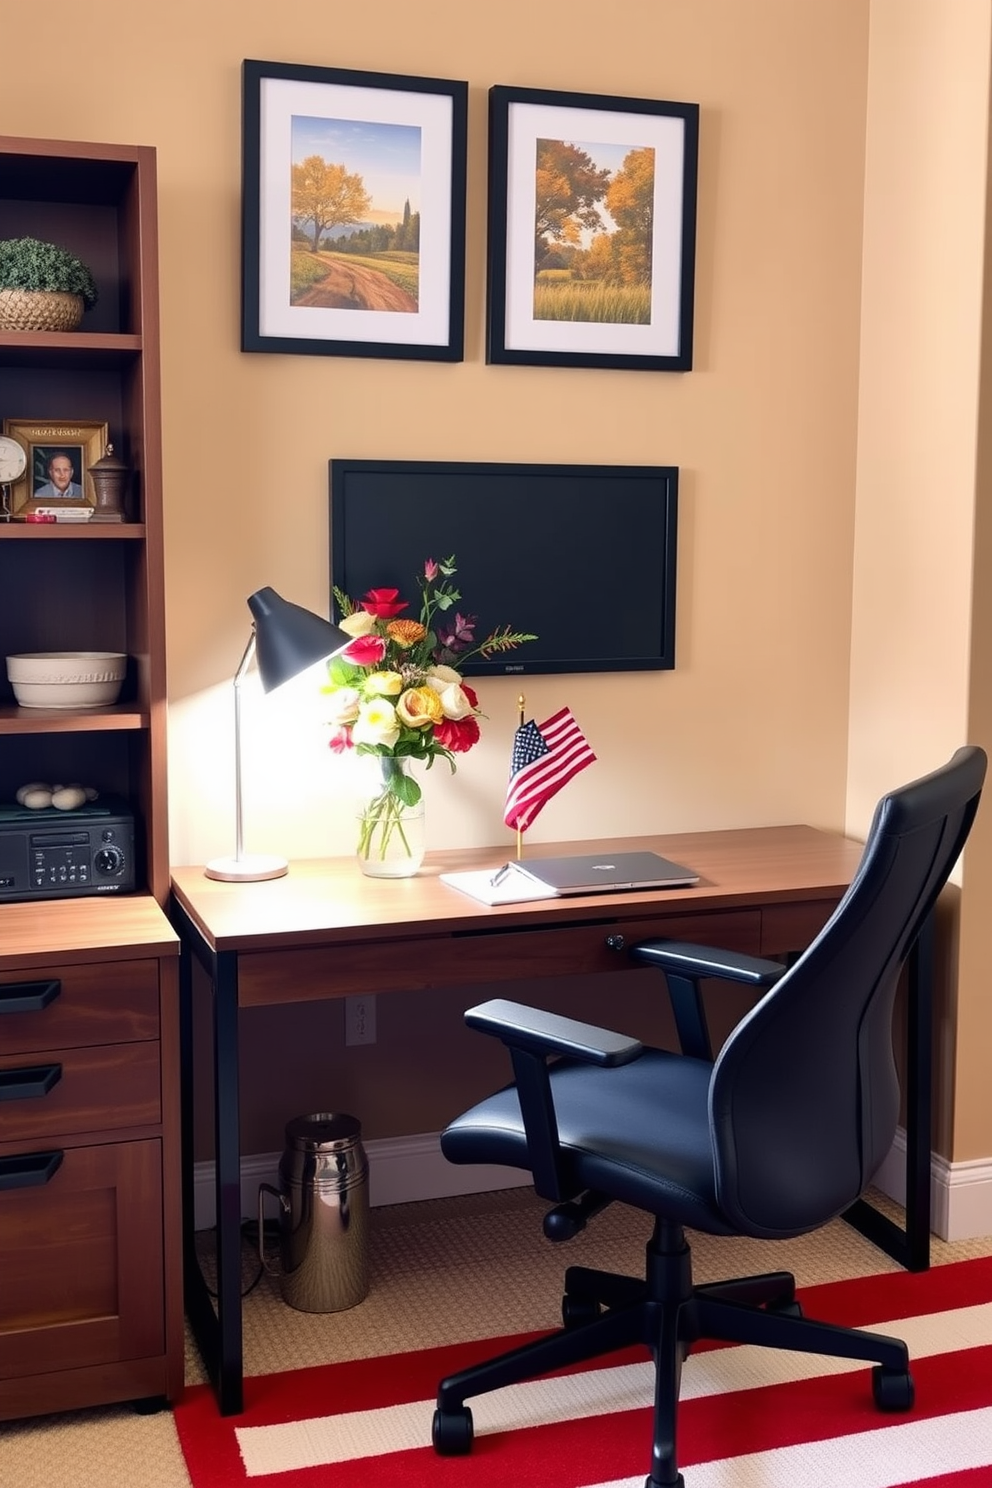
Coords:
pixel 108 860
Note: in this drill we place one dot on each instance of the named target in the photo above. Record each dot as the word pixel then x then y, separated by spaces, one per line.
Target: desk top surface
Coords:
pixel 329 900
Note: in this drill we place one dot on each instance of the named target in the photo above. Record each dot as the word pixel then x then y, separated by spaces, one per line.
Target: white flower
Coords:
pixel 376 724
pixel 439 677
pixel 454 702
pixel 358 623
pixel 344 705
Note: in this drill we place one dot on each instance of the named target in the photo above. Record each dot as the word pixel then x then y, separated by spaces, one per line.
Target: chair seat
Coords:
pixel 661 1162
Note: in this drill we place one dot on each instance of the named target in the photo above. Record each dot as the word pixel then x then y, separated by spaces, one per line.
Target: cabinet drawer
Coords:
pixel 67 1091
pixel 113 1002
pixel 82 1261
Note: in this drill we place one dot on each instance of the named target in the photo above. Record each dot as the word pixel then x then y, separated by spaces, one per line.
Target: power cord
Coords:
pixel 249 1238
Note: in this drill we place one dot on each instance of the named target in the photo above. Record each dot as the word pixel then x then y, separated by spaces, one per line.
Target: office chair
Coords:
pixel 773 1138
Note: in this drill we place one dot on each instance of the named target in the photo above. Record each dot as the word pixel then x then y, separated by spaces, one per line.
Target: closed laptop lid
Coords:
pixel 590 873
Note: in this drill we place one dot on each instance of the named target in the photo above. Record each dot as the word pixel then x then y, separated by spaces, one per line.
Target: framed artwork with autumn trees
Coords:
pixel 353 213
pixel 592 230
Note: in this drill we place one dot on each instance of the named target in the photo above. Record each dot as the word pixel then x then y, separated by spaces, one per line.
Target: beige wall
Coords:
pixel 753 725
pixel 919 653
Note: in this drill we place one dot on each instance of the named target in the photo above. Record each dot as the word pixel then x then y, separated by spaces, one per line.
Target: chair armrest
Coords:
pixel 531 1036
pixel 539 1032
pixel 688 960
pixel 684 965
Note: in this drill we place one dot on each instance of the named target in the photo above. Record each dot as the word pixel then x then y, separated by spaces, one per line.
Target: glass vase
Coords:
pixel 390 819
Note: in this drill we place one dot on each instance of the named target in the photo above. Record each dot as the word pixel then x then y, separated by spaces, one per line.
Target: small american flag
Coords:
pixel 544 759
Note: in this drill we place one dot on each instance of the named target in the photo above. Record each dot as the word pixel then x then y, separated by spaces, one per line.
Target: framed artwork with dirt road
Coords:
pixel 592 230
pixel 353 213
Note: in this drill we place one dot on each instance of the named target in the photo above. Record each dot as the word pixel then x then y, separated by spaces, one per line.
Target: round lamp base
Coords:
pixel 250 869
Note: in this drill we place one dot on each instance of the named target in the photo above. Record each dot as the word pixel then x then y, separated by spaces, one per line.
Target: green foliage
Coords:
pixel 27 263
pixel 304 269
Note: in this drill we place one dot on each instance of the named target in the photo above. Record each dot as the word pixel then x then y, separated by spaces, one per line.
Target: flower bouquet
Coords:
pixel 396 693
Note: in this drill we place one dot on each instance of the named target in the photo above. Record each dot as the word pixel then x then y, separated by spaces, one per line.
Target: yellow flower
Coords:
pixel 419 707
pixel 405 632
pixel 383 684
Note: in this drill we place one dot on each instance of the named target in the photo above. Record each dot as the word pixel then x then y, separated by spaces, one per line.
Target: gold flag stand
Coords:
pixel 520 834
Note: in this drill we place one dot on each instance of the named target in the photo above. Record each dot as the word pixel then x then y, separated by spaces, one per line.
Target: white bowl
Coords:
pixel 66 679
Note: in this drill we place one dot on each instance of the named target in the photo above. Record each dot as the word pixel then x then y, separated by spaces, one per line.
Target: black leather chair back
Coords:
pixel 804 1098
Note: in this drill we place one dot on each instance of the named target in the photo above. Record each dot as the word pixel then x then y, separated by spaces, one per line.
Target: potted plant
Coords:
pixel 42 287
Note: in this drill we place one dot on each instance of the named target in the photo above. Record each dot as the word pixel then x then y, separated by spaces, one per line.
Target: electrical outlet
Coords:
pixel 359 1020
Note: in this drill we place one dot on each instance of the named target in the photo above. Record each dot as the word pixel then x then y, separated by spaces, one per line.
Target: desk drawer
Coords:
pixel 303 975
pixel 65 1091
pixel 791 927
pixel 73 1006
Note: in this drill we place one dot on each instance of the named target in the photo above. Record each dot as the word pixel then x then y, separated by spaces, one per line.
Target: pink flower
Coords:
pixel 365 650
pixel 383 603
pixel 340 741
pixel 430 570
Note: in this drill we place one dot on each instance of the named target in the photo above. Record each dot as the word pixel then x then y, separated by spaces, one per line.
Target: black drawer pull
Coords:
pixel 28 997
pixel 30 1170
pixel 30 1081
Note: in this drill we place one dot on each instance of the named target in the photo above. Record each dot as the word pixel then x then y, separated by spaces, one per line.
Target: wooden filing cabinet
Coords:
pixel 90 1300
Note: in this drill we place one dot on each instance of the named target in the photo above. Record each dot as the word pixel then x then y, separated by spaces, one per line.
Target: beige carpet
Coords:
pixel 441 1271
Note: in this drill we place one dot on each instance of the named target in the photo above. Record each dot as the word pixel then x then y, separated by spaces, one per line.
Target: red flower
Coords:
pixel 471 694
pixel 365 650
pixel 458 735
pixel 340 741
pixel 383 603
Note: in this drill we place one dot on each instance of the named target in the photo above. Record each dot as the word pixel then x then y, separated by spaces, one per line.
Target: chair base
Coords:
pixel 603 1312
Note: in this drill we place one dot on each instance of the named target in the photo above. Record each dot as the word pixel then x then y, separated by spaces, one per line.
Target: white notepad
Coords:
pixel 513 888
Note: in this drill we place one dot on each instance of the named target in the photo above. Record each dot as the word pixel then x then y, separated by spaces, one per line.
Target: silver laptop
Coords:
pixel 597 873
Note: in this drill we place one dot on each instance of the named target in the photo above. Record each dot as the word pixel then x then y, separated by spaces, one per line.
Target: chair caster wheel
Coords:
pixel 892 1389
pixel 451 1432
pixel 576 1311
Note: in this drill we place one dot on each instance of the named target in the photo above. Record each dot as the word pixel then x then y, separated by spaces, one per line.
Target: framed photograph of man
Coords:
pixel 59 456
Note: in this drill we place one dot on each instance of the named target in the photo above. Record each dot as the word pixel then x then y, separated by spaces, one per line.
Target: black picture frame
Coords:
pixel 416 308
pixel 630 305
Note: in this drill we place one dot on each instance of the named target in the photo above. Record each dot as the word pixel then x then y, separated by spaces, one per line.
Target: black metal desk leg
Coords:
pixel 911 1246
pixel 217 1333
pixel 919 1098
pixel 228 1179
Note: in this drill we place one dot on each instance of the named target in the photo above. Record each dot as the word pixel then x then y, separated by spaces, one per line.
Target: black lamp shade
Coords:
pixel 288 638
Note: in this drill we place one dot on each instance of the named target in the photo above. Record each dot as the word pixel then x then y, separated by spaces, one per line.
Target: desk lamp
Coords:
pixel 285 640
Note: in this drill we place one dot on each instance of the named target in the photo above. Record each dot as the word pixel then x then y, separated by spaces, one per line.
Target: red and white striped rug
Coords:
pixel 749 1418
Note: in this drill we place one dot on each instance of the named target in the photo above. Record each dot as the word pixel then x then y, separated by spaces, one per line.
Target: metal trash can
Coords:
pixel 323 1213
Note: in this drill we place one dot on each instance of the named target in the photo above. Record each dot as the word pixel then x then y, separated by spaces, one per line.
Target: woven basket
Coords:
pixel 39 310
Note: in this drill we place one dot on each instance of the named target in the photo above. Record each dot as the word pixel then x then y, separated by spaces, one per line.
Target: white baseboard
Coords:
pixel 405 1169
pixel 401 1171
pixel 960 1193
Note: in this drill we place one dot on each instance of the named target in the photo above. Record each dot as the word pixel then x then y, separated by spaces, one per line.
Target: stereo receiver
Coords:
pixel 50 854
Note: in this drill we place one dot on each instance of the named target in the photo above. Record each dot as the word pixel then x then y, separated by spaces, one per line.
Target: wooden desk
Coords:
pixel 327 931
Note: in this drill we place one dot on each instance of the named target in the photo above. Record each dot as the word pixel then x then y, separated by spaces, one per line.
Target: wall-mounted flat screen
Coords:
pixel 583 556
